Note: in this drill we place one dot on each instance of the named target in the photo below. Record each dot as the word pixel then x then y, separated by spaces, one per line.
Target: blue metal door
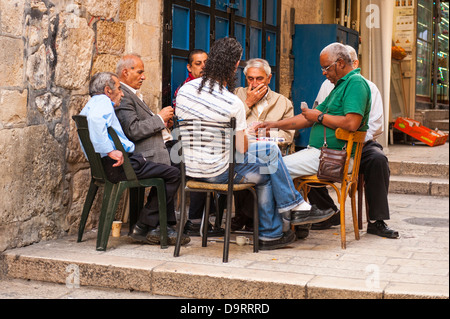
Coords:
pixel 308 42
pixel 196 24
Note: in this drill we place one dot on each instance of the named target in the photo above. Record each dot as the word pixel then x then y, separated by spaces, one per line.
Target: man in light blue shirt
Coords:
pixel 100 114
pixel 106 93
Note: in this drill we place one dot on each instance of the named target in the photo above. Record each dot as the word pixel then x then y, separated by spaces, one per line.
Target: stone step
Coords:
pixel 419 178
pixel 419 169
pixel 419 185
pixel 442 125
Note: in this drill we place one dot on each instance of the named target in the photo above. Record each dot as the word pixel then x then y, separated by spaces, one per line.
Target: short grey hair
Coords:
pixel 100 81
pixel 127 62
pixel 258 63
pixel 337 51
pixel 351 50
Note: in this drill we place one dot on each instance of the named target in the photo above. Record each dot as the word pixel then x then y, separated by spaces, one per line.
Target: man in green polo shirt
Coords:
pixel 347 107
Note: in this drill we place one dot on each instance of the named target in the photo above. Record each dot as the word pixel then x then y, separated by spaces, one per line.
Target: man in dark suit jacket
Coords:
pixel 147 130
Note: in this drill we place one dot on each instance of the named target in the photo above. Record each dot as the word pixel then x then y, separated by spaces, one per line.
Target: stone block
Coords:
pixel 105 63
pixel 149 48
pixel 49 106
pixel 75 154
pixel 32 190
pixel 11 62
pixel 110 37
pixel 37 69
pixel 74 43
pixel 150 17
pixel 190 281
pixel 102 8
pixel 12 17
pixel 37 30
pixel 13 107
pixel 128 10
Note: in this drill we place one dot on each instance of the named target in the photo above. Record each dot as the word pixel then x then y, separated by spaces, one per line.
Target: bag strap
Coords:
pixel 325 145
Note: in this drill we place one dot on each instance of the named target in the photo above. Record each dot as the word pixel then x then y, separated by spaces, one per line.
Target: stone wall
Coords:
pixel 49 49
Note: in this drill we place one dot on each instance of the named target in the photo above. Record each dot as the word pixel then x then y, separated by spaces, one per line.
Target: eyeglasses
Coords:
pixel 326 69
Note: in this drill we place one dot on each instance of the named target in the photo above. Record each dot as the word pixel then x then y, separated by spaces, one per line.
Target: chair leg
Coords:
pixel 226 244
pixel 354 213
pixel 255 222
pixel 181 223
pixel 107 219
pixel 162 205
pixel 86 209
pixel 342 208
pixel 205 221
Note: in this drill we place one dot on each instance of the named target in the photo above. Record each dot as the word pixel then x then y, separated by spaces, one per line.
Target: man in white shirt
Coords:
pixel 374 166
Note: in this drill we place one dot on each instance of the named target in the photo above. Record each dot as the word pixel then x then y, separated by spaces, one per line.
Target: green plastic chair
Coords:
pixel 113 191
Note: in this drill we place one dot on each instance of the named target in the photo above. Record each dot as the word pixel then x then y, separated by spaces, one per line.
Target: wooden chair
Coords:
pixel 113 191
pixel 227 139
pixel 349 183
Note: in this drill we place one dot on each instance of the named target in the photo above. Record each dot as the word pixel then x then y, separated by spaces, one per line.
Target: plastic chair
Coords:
pixel 349 183
pixel 113 191
pixel 227 139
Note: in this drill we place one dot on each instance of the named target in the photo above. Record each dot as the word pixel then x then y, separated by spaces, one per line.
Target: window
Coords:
pixel 196 24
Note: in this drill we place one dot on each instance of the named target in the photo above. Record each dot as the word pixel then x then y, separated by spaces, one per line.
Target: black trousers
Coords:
pixel 146 169
pixel 375 167
pixel 197 201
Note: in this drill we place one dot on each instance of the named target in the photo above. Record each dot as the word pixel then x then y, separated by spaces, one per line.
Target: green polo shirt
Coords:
pixel 350 95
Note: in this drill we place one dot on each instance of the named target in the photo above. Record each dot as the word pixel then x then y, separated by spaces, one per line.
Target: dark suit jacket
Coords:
pixel 142 127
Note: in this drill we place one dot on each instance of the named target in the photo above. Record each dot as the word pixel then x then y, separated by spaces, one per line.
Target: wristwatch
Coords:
pixel 320 118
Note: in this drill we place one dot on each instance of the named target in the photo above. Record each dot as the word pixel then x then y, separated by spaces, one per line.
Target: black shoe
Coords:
pixel 241 222
pixel 154 236
pixel 302 231
pixel 314 215
pixel 287 238
pixel 139 233
pixel 380 228
pixel 192 229
pixel 326 224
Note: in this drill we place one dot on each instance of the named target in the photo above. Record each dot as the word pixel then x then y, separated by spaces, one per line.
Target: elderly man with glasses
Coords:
pixel 347 107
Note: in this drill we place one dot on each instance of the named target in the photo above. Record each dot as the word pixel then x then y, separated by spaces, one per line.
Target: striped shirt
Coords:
pixel 208 158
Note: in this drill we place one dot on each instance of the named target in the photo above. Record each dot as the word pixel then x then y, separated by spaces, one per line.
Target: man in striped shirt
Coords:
pixel 209 98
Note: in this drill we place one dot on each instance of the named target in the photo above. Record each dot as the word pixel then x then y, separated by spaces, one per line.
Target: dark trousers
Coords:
pixel 197 200
pixel 145 169
pixel 375 167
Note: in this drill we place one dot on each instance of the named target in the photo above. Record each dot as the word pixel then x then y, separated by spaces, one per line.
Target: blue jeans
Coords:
pixel 263 165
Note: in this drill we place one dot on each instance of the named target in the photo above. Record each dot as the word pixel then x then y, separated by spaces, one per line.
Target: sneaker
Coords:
pixel 380 228
pixel 286 239
pixel 326 224
pixel 314 215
